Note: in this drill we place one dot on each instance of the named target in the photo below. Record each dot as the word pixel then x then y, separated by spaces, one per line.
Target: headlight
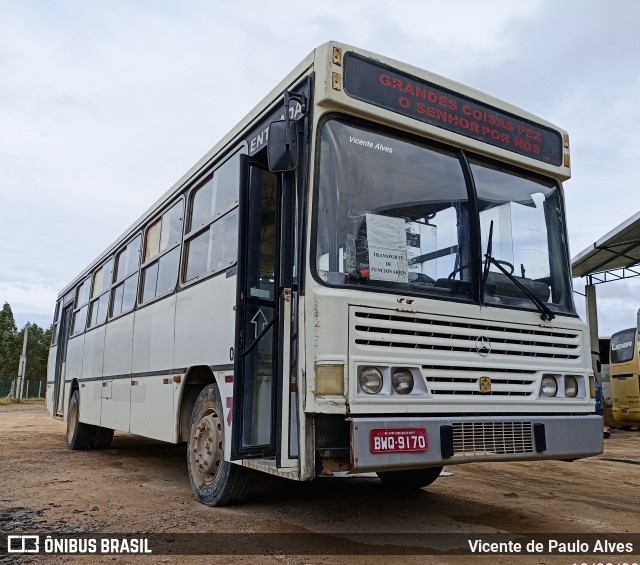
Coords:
pixel 570 386
pixel 549 385
pixel 370 380
pixel 402 381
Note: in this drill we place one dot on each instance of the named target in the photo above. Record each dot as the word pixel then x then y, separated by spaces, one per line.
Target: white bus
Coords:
pixel 370 273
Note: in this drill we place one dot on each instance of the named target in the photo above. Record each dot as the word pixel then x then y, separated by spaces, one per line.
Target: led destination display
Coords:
pixel 399 92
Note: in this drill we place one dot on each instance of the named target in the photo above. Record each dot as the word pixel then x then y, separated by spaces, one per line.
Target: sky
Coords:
pixel 104 105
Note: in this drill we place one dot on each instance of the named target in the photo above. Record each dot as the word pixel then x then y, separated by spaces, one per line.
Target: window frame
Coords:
pixel 77 307
pixel 56 324
pixel 144 265
pixel 220 216
pixel 118 282
pixel 96 299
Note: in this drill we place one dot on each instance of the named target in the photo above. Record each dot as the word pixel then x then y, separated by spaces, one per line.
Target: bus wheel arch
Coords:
pixel 214 481
pixel 73 386
pixel 195 379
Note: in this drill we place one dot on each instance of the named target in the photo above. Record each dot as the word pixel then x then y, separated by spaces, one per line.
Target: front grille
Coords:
pixel 492 438
pixel 430 333
pixel 456 355
pixel 443 379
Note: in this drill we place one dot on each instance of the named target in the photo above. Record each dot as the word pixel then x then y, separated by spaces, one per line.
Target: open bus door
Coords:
pixel 264 418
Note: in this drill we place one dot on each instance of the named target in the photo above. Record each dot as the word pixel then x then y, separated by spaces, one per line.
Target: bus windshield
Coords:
pixel 622 349
pixel 398 215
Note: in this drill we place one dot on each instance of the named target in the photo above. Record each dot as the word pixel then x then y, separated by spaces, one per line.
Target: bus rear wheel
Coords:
pixel 214 481
pixel 79 435
pixel 102 438
pixel 413 479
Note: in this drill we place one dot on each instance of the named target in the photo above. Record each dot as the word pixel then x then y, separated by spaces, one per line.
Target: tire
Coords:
pixel 79 435
pixel 413 479
pixel 102 438
pixel 214 481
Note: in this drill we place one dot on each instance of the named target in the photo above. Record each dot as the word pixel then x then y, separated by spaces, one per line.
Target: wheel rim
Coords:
pixel 73 416
pixel 206 448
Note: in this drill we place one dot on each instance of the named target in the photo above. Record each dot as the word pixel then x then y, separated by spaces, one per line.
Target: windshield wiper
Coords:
pixel 545 312
pixel 487 263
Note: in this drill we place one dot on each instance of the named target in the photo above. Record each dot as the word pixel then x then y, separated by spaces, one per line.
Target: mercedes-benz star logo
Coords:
pixel 483 346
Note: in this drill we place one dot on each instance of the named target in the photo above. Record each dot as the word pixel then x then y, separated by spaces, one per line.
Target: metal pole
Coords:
pixel 592 320
pixel 39 388
pixel 22 368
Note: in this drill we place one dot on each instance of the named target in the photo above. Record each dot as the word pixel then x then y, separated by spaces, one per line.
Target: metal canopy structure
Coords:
pixel 614 256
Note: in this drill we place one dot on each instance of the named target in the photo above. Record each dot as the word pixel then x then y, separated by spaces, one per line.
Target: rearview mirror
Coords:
pixel 282 149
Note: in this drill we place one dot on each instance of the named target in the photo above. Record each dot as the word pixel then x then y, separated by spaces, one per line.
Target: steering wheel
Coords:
pixel 420 278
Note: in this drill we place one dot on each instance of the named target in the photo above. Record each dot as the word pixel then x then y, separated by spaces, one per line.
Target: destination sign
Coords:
pixel 378 84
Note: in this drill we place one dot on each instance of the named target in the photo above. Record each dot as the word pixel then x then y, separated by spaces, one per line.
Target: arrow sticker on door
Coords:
pixel 259 321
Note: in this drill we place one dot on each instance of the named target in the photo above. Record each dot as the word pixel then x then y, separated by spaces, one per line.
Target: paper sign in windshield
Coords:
pixel 387 241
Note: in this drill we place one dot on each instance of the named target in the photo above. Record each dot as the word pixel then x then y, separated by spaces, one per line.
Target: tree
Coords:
pixel 11 342
pixel 9 352
pixel 38 342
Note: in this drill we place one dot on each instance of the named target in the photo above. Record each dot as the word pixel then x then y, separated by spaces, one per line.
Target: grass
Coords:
pixel 4 401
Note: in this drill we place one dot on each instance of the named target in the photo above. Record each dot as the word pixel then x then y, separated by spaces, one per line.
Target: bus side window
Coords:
pixel 100 295
pixel 125 286
pixel 81 307
pixel 56 324
pixel 162 253
pixel 212 226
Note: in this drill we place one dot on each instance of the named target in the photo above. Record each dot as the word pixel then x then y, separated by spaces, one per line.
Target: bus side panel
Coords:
pixel 152 407
pixel 73 370
pixel 118 346
pixel 116 396
pixel 91 384
pixel 205 323
pixel 51 376
pixel 152 412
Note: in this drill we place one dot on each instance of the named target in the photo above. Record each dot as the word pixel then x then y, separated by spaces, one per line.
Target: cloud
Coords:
pixel 573 66
pixel 103 105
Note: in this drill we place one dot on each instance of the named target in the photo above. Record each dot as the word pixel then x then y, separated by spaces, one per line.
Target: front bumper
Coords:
pixel 453 441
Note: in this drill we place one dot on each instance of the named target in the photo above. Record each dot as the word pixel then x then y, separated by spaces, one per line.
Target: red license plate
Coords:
pixel 394 440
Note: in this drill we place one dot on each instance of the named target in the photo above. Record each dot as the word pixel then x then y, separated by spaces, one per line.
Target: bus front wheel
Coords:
pixel 214 481
pixel 412 479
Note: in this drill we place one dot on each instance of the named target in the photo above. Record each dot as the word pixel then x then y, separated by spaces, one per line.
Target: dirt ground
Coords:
pixel 141 485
